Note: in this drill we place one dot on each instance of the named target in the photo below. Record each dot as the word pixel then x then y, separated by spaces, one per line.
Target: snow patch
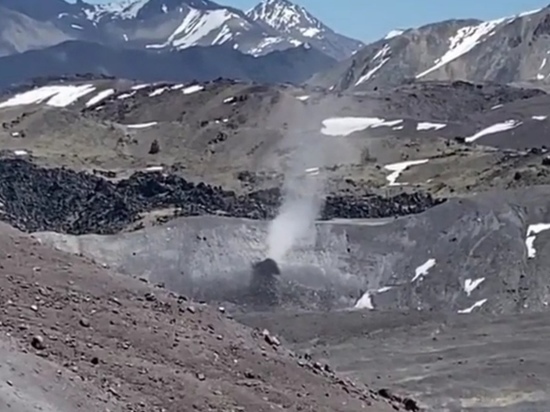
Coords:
pixel 141 125
pixel 423 269
pixel 70 95
pixel 312 171
pixel 398 168
pixel 382 52
pixel 57 96
pixel 140 86
pixel 99 97
pixel 532 232
pixel 302 98
pixel 344 126
pixel 229 100
pixel 465 39
pixel 528 13
pixel 77 27
pixel 158 92
pixel 125 95
pixel 365 302
pixel 430 126
pixel 310 31
pixel 197 25
pixel 368 75
pixel 265 44
pixel 470 285
pixel 496 128
pixel 193 89
pixel 154 169
pixel 539 118
pixel 383 55
pixel 478 304
pixel 20 152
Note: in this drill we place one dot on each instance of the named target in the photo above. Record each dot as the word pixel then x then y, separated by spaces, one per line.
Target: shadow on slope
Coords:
pixel 208 63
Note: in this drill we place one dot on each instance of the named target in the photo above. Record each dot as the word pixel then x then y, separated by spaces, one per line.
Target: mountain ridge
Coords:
pixel 504 50
pixel 177 24
pixel 76 57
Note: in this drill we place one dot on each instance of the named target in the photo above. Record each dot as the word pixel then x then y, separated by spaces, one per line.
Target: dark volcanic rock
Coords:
pixel 58 199
pixel 377 206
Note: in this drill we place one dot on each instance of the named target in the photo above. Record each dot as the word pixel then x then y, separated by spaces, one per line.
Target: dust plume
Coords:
pixel 303 198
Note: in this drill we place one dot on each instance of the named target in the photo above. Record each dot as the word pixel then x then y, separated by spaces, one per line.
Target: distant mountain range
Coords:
pixel 514 49
pixel 178 40
pixel 275 41
pixel 167 25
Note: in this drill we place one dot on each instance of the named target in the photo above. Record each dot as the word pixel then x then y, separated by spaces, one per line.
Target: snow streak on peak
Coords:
pixel 465 39
pixel 469 37
pixel 201 25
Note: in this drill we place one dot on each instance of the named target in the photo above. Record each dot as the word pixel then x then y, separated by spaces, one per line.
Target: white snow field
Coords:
pixel 57 96
pixel 400 167
pixel 344 126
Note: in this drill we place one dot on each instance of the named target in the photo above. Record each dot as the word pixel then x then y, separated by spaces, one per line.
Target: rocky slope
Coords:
pixel 510 49
pixel 159 151
pixel 76 335
pixel 482 254
pixel 180 24
pixel 483 353
pixel 136 154
pixel 362 143
pixel 162 150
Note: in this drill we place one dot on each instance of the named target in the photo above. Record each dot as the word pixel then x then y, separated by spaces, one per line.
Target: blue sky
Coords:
pixel 368 20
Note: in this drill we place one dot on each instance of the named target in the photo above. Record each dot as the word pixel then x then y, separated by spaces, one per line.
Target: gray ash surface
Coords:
pixel 58 199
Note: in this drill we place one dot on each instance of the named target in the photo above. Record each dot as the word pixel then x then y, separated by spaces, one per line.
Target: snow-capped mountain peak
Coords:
pixel 296 22
pixel 124 9
pixel 286 17
pixel 166 25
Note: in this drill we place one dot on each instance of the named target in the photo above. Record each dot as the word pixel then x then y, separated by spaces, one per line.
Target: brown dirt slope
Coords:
pixel 76 337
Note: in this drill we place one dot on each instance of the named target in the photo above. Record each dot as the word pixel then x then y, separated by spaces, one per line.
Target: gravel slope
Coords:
pixel 467 363
pixel 119 344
